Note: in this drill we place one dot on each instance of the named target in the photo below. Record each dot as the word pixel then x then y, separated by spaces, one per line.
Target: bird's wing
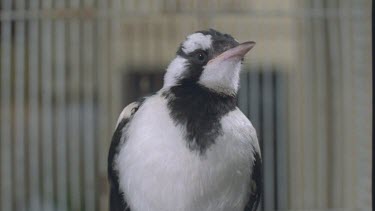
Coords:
pixel 116 199
pixel 256 182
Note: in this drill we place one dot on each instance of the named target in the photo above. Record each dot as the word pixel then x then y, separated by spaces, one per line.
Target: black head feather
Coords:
pixel 220 43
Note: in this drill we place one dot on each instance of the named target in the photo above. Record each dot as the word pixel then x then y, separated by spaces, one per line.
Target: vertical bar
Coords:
pixel 362 109
pixel 88 115
pixel 104 126
pixel 346 95
pixel 132 44
pixel 20 111
pixel 281 140
pixel 296 90
pixel 335 126
pixel 164 41
pixel 115 61
pixel 306 197
pixel 321 131
pixel 158 40
pixel 61 130
pixel 33 124
pixel 74 127
pixel 254 111
pixel 243 93
pixel 151 44
pixel 254 97
pixel 6 121
pixel 268 139
pixel 47 161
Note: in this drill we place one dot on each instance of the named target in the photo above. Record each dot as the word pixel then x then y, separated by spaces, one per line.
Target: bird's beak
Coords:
pixel 237 52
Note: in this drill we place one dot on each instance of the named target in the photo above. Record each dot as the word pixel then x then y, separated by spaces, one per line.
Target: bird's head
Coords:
pixel 209 59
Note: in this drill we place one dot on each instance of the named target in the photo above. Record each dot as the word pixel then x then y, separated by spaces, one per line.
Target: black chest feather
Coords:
pixel 200 110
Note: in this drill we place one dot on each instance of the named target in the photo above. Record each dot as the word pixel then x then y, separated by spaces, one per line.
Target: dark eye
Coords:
pixel 201 57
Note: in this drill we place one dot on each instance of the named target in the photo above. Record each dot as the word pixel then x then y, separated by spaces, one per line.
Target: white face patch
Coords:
pixel 196 41
pixel 222 77
pixel 174 71
pixel 127 112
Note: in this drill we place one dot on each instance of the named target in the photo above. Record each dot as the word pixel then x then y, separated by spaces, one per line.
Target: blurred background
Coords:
pixel 68 67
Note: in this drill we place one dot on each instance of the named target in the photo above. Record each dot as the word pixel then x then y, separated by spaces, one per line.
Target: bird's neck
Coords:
pixel 200 110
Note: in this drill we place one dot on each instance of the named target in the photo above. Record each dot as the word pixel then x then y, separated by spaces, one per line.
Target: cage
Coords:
pixel 68 67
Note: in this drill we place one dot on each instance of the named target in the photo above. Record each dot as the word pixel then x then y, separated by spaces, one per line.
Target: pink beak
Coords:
pixel 236 52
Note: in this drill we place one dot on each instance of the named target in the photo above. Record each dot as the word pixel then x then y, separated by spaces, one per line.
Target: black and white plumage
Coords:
pixel 188 147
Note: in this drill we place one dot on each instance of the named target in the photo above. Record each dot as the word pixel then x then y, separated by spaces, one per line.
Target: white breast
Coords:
pixel 157 170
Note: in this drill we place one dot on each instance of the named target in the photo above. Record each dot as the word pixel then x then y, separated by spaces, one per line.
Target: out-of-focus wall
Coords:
pixel 159 30
pixel 331 107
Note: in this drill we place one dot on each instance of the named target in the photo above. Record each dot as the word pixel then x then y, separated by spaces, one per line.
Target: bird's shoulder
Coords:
pixel 238 122
pixel 256 177
pixel 129 111
pixel 117 201
pixel 125 116
pixel 242 127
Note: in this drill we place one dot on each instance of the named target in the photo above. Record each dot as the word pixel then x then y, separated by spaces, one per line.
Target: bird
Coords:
pixel 188 147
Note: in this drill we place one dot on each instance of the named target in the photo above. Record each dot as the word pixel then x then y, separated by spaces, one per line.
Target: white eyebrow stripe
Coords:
pixel 196 41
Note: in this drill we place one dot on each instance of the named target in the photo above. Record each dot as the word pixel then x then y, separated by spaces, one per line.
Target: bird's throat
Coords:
pixel 199 111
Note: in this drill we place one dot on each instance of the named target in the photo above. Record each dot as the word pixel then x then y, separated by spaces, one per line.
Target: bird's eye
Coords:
pixel 201 57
